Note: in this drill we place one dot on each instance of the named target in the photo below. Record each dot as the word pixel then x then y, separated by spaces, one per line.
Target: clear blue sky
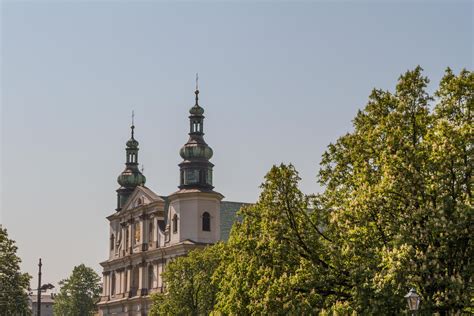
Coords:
pixel 279 82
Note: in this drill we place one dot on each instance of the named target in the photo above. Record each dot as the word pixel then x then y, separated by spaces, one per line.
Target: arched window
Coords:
pixel 150 277
pixel 175 223
pixel 112 241
pixel 206 222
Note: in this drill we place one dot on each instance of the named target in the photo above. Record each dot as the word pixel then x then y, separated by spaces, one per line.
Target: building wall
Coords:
pixel 190 210
pixel 46 309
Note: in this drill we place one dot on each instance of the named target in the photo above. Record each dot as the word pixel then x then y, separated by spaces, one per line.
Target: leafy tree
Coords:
pixel 189 290
pixel 273 263
pixel 399 196
pixel 396 213
pixel 13 283
pixel 79 293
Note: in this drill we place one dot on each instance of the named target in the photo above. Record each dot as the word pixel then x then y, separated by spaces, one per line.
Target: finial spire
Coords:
pixel 197 89
pixel 133 122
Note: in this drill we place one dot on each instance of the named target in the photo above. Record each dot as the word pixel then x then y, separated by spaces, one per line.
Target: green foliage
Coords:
pixel 188 284
pixel 273 263
pixel 13 283
pixel 79 293
pixel 399 196
pixel 396 213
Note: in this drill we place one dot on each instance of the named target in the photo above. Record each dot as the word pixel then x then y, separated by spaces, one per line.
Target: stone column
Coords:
pixel 123 229
pixel 158 275
pixel 132 235
pixel 155 279
pixel 128 279
pixel 122 281
pixel 142 279
pixel 110 283
pixel 104 288
pixel 144 231
pixel 106 284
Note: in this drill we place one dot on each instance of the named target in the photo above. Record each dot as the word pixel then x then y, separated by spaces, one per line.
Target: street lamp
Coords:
pixel 41 288
pixel 413 300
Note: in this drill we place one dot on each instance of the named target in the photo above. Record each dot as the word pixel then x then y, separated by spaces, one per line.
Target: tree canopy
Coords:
pixel 79 293
pixel 13 283
pixel 395 213
pixel 188 283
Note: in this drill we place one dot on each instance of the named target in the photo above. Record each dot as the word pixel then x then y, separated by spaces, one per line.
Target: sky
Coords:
pixel 279 81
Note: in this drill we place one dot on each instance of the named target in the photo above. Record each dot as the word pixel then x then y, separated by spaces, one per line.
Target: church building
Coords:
pixel 148 230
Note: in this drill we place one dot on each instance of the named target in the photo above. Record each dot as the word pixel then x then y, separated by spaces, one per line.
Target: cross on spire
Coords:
pixel 133 122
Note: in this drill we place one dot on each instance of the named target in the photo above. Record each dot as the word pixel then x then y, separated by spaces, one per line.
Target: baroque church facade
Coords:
pixel 148 230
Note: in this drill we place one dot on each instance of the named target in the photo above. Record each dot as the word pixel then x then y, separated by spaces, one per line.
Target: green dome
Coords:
pixel 132 143
pixel 196 151
pixel 131 178
pixel 196 110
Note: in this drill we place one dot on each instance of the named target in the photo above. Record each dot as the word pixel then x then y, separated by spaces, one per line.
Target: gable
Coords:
pixel 141 196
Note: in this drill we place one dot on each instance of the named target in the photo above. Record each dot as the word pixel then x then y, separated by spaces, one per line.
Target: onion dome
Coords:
pixel 196 109
pixel 131 177
pixel 196 151
pixel 196 169
pixel 132 142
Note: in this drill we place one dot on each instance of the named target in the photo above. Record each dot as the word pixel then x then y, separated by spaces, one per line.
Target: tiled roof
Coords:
pixel 229 216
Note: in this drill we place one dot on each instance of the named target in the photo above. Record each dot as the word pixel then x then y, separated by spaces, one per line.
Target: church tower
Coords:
pixel 194 212
pixel 131 177
pixel 196 170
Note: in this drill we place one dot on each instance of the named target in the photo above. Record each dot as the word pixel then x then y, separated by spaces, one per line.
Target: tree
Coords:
pixel 79 293
pixel 273 263
pixel 13 283
pixel 396 213
pixel 189 290
pixel 399 197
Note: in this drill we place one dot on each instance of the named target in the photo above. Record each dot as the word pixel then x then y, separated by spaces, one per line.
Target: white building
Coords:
pixel 47 302
pixel 148 230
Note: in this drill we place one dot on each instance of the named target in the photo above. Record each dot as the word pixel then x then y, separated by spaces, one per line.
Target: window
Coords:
pixel 191 176
pixel 112 240
pixel 206 222
pixel 113 284
pixel 175 224
pixel 150 277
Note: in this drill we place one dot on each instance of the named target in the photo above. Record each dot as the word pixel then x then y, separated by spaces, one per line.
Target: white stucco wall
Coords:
pixel 189 209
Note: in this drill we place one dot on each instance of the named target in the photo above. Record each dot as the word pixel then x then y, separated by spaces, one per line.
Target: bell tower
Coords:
pixel 196 170
pixel 131 177
pixel 194 212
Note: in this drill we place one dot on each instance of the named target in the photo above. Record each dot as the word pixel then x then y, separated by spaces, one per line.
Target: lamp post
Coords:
pixel 41 288
pixel 413 300
pixel 38 299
